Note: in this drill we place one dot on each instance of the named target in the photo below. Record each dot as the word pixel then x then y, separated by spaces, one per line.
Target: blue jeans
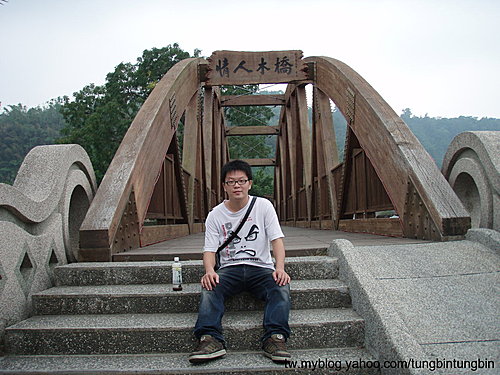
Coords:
pixel 236 279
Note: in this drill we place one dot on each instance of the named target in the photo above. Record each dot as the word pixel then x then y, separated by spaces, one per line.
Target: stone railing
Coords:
pixel 40 215
pixel 472 167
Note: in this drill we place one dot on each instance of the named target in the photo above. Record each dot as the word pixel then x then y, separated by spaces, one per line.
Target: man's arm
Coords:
pixel 210 279
pixel 280 276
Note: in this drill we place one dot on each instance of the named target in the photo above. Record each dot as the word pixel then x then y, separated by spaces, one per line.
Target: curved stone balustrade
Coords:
pixel 40 216
pixel 472 167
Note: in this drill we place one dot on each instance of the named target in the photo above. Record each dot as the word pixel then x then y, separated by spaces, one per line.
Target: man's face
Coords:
pixel 234 186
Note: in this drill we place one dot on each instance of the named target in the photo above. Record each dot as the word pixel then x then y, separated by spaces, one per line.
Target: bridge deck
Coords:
pixel 298 242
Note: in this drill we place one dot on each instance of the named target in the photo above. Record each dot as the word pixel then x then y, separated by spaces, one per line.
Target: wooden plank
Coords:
pixel 305 137
pixel 207 128
pixel 181 191
pixel 292 156
pixel 190 140
pixel 318 165
pixel 190 158
pixel 252 130
pixel 261 162
pixel 243 68
pixel 158 233
pixel 382 226
pixel 218 133
pixel 331 153
pixel 252 100
pixel 330 156
pixel 279 180
pixel 200 183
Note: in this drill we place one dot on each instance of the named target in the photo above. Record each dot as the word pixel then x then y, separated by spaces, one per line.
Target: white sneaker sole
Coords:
pixel 276 358
pixel 198 358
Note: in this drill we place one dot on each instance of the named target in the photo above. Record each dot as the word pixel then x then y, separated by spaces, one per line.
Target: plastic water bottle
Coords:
pixel 177 274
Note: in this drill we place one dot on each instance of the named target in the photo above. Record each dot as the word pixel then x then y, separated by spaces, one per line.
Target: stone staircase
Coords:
pixel 124 318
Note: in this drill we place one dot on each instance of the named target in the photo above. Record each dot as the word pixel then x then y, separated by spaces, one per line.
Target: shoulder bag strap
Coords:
pixel 242 222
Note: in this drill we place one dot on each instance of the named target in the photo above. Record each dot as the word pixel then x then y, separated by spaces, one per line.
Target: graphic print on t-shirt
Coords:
pixel 241 248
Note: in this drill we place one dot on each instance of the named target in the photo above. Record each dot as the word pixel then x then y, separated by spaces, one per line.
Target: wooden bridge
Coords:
pixel 385 166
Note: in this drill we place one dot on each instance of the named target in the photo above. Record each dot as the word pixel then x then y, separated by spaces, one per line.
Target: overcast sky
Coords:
pixel 440 57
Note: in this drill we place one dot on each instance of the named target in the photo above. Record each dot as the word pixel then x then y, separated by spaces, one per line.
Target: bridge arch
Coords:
pixel 147 179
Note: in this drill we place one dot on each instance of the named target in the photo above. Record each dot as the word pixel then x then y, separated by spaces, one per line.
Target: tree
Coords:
pixel 21 129
pixel 99 116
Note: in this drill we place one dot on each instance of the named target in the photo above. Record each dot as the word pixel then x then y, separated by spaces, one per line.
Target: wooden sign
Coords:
pixel 242 68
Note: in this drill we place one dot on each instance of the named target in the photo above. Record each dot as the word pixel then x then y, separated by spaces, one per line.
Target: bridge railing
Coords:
pixel 40 215
pixel 386 167
pixel 127 198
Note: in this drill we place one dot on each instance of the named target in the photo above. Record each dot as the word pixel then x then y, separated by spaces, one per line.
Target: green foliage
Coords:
pixel 99 116
pixel 21 129
pixel 251 146
pixel 436 133
pixel 263 181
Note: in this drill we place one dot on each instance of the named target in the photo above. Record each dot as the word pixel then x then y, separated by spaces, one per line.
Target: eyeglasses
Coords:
pixel 240 182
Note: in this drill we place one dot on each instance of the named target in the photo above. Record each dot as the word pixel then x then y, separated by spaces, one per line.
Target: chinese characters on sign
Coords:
pixel 232 67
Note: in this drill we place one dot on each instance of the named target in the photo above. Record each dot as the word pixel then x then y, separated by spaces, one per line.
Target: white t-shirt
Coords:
pixel 252 243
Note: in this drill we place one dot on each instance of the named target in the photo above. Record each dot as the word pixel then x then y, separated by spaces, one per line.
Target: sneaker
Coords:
pixel 275 348
pixel 208 348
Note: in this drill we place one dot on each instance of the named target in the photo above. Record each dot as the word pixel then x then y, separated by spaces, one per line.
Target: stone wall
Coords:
pixel 472 167
pixel 40 215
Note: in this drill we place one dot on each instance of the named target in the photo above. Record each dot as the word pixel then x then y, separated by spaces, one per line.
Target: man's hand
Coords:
pixel 281 277
pixel 210 280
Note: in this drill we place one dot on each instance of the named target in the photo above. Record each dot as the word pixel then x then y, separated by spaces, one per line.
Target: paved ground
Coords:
pixel 421 300
pixel 438 301
pixel 296 239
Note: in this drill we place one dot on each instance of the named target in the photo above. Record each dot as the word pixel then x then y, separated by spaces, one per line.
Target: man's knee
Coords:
pixel 279 293
pixel 284 291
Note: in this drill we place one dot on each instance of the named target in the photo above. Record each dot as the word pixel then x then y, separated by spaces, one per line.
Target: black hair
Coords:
pixel 236 165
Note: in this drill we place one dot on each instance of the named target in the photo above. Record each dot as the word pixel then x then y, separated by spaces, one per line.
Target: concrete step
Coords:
pixel 109 273
pixel 317 361
pixel 154 253
pixel 160 298
pixel 164 333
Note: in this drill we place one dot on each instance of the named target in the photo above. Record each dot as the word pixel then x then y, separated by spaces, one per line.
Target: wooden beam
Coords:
pixel 379 226
pixel 189 158
pixel 159 233
pixel 207 127
pixel 279 180
pixel 252 130
pixel 218 133
pixel 252 100
pixel 292 155
pixel 137 161
pixel 305 136
pixel 326 146
pixel 397 156
pixel 261 162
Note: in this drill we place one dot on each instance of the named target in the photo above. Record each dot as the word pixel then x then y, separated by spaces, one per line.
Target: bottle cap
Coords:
pixel 176 259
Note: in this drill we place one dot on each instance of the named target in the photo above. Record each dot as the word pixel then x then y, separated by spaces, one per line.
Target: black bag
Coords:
pixel 231 237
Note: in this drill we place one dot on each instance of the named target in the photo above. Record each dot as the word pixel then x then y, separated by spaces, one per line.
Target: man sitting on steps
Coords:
pixel 245 265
